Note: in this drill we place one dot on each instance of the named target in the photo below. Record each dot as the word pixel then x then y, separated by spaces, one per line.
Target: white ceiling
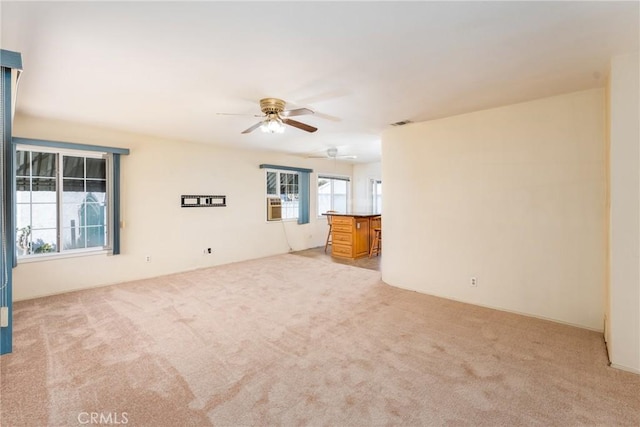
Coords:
pixel 167 68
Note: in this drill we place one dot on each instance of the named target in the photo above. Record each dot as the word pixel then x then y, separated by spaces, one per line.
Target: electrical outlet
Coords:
pixel 473 282
pixel 209 250
pixel 147 258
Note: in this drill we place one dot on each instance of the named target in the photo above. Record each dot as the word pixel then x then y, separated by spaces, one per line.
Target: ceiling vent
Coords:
pixel 401 123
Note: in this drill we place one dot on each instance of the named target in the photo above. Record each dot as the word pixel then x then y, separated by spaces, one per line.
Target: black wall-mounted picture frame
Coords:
pixel 202 201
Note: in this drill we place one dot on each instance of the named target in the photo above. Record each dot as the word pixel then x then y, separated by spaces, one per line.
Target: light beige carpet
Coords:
pixel 290 340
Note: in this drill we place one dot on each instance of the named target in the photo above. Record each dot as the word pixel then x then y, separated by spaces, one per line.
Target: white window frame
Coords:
pixel 287 209
pixel 373 184
pixel 68 253
pixel 332 177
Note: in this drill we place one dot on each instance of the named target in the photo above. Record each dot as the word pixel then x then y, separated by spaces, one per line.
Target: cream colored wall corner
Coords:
pixel 607 156
pixel 624 282
pixel 514 196
pixel 154 176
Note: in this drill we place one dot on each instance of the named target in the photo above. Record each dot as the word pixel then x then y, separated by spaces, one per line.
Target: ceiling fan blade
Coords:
pixel 252 128
pixel 296 112
pixel 299 125
pixel 238 114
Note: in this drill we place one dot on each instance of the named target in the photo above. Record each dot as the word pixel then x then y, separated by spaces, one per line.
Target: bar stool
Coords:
pixel 376 245
pixel 329 239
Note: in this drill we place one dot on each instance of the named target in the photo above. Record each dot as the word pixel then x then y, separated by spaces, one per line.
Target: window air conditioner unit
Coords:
pixel 274 209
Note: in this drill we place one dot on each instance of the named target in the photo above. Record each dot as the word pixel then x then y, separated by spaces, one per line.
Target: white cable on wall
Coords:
pixel 284 230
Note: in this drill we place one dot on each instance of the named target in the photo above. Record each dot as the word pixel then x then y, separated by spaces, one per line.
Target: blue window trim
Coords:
pixel 7 258
pixel 285 168
pixel 10 59
pixel 115 250
pixel 303 192
pixel 304 188
pixel 115 197
pixel 68 145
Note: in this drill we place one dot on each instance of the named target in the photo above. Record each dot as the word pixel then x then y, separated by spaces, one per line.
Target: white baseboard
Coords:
pixel 626 368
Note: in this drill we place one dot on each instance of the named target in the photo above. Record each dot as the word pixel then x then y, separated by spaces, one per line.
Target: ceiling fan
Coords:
pixel 275 117
pixel 332 153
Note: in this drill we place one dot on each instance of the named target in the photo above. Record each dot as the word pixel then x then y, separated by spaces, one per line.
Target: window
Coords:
pixel 285 185
pixel 333 193
pixel 376 196
pixel 62 201
pixel 291 186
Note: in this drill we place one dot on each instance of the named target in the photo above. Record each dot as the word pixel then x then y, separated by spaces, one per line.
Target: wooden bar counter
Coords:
pixel 352 233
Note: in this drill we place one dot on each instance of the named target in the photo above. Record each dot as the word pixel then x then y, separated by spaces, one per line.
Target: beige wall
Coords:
pixel 362 176
pixel 154 176
pixel 623 338
pixel 514 196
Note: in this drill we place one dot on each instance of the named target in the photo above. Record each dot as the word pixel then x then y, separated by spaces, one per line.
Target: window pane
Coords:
pixel 324 186
pixel 74 185
pixel 340 203
pixel 44 215
pixel 43 184
pixel 100 198
pixel 98 190
pixel 44 191
pixel 43 164
pixel 71 215
pixel 23 215
pixel 86 211
pixel 23 184
pixel 23 165
pixel 92 214
pixel 271 183
pixel 23 240
pixel 339 186
pixel 71 238
pixel 43 197
pixel 95 236
pixel 96 186
pixel 376 196
pixel 290 209
pixel 43 241
pixel 73 167
pixel 324 203
pixel 96 168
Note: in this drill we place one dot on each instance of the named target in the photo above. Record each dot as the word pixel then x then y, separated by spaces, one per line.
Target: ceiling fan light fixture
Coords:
pixel 276 117
pixel 272 124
